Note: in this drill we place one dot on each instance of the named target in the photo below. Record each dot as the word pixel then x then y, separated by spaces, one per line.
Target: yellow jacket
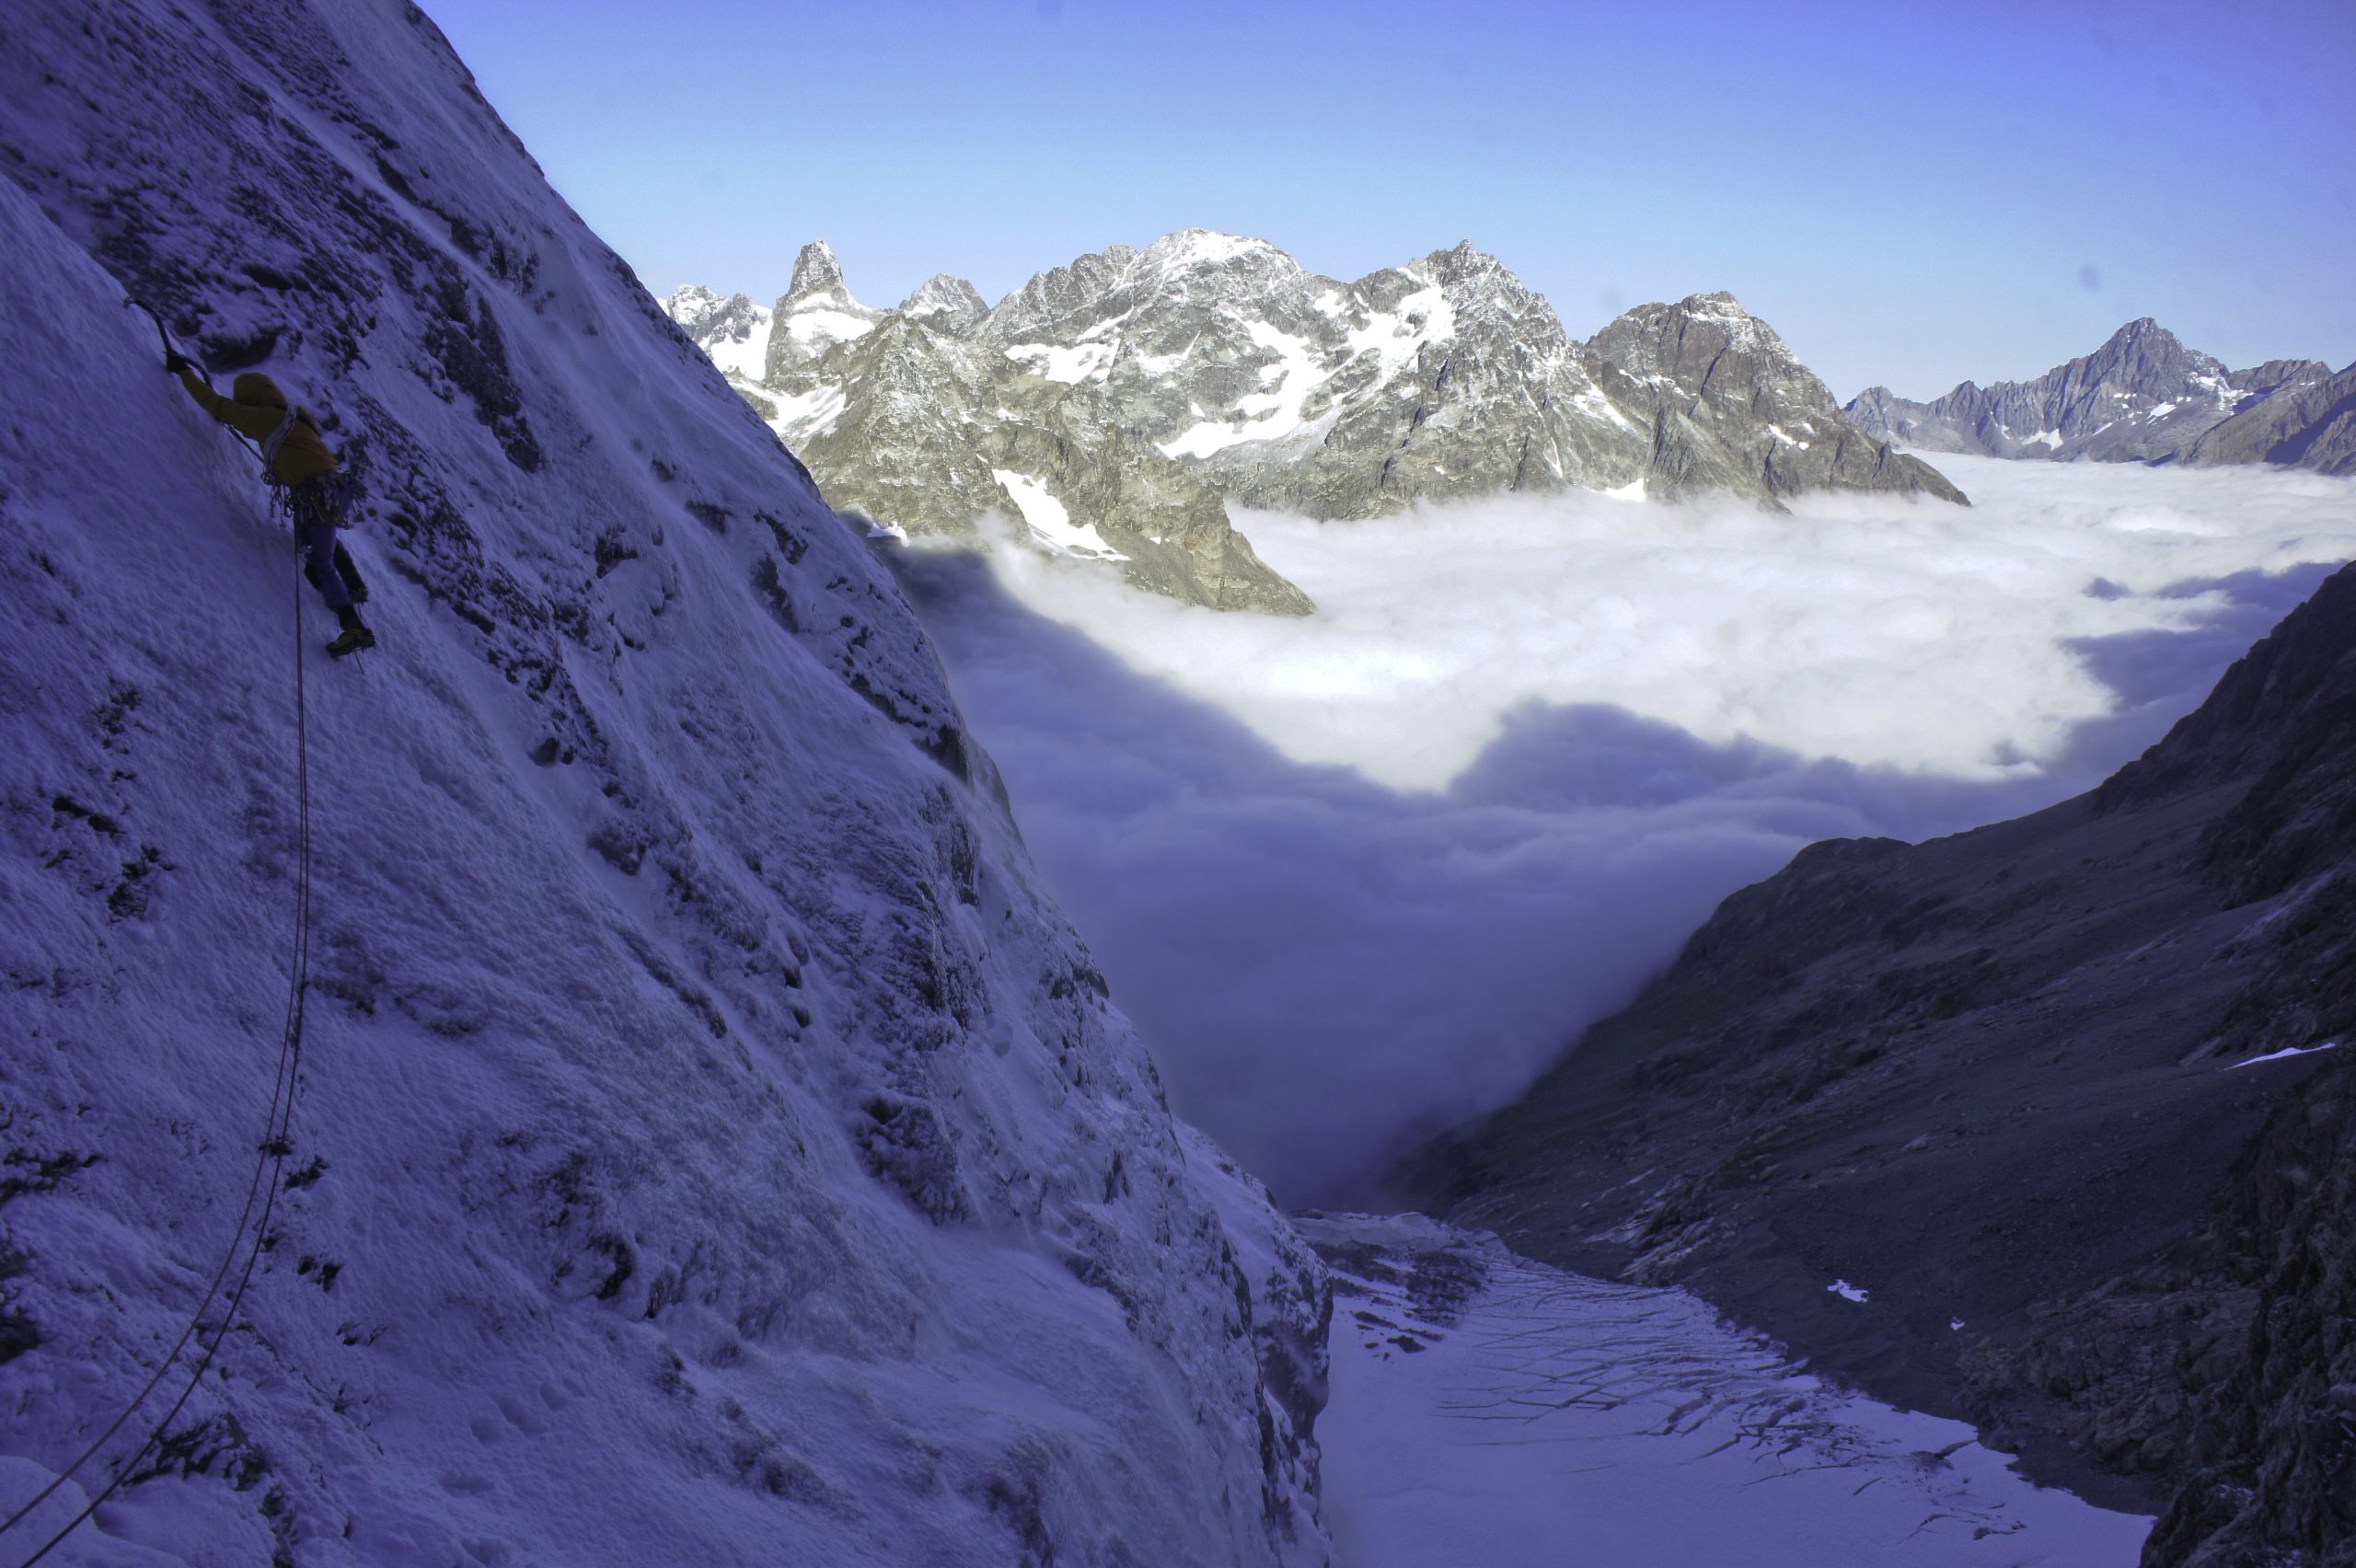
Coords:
pixel 257 407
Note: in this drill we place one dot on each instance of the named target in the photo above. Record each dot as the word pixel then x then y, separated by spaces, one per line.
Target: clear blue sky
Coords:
pixel 1912 193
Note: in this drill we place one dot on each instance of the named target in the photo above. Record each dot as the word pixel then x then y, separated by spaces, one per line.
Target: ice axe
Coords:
pixel 171 349
pixel 172 352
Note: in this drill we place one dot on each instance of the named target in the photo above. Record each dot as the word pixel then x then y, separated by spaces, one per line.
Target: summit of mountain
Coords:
pixel 2142 396
pixel 1728 390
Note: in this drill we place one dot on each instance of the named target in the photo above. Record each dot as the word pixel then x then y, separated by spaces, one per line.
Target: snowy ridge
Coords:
pixel 713 1147
pixel 733 331
pixel 1214 363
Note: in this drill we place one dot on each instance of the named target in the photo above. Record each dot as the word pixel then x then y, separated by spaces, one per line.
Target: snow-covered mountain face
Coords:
pixel 733 331
pixel 710 1145
pixel 1209 370
pixel 2142 397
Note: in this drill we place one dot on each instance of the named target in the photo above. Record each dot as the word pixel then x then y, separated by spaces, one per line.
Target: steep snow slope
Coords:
pixel 710 1146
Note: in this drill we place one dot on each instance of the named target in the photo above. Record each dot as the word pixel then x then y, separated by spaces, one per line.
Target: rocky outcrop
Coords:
pixel 816 312
pixel 945 303
pixel 1270 386
pixel 2030 1089
pixel 1733 409
pixel 946 431
pixel 2271 1475
pixel 2142 397
pixel 2312 424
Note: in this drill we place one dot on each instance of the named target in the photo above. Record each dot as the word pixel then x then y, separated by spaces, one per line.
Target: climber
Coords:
pixel 296 462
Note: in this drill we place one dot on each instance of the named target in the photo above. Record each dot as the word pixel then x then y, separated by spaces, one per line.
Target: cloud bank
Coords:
pixel 1362 875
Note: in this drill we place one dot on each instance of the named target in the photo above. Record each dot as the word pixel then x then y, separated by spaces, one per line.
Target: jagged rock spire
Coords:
pixel 814 270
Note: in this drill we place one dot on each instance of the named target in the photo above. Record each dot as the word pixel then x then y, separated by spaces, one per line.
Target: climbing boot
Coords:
pixel 353 636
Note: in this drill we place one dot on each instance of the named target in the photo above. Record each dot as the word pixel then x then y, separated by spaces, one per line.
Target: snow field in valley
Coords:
pixel 1487 1409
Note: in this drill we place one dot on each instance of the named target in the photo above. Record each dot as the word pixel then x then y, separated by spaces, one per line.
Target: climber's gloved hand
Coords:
pixel 174 361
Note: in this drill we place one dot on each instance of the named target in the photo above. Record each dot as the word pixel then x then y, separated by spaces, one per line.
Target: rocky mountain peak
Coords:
pixel 1687 343
pixel 1215 358
pixel 1462 267
pixel 2149 358
pixel 708 317
pixel 2142 396
pixel 815 271
pixel 1728 393
pixel 817 312
pixel 945 303
pixel 687 300
pixel 1206 247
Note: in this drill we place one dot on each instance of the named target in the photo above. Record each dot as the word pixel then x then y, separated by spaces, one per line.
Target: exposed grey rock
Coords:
pixel 1732 408
pixel 945 303
pixel 2142 397
pixel 1989 1077
pixel 1274 388
pixel 2305 423
pixel 1444 378
pixel 815 313
pixel 945 431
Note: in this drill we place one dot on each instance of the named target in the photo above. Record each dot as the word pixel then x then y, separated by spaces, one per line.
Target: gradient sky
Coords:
pixel 1912 193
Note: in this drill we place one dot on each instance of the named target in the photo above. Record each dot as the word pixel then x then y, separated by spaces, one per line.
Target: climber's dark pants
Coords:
pixel 319 548
pixel 318 509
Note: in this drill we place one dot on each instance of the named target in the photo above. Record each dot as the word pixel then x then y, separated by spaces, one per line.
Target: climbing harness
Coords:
pixel 269 1158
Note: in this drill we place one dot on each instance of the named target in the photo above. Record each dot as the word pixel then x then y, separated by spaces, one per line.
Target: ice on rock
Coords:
pixel 2284 1054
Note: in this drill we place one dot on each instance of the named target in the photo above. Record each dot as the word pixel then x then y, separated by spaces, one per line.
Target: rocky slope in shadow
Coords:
pixel 2008 1086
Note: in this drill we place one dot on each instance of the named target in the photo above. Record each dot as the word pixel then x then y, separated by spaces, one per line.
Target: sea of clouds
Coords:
pixel 1361 875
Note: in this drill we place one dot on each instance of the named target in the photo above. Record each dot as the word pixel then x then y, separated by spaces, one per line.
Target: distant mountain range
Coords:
pixel 1118 406
pixel 2142 396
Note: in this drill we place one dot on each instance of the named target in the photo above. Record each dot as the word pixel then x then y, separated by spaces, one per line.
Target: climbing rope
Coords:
pixel 271 1158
